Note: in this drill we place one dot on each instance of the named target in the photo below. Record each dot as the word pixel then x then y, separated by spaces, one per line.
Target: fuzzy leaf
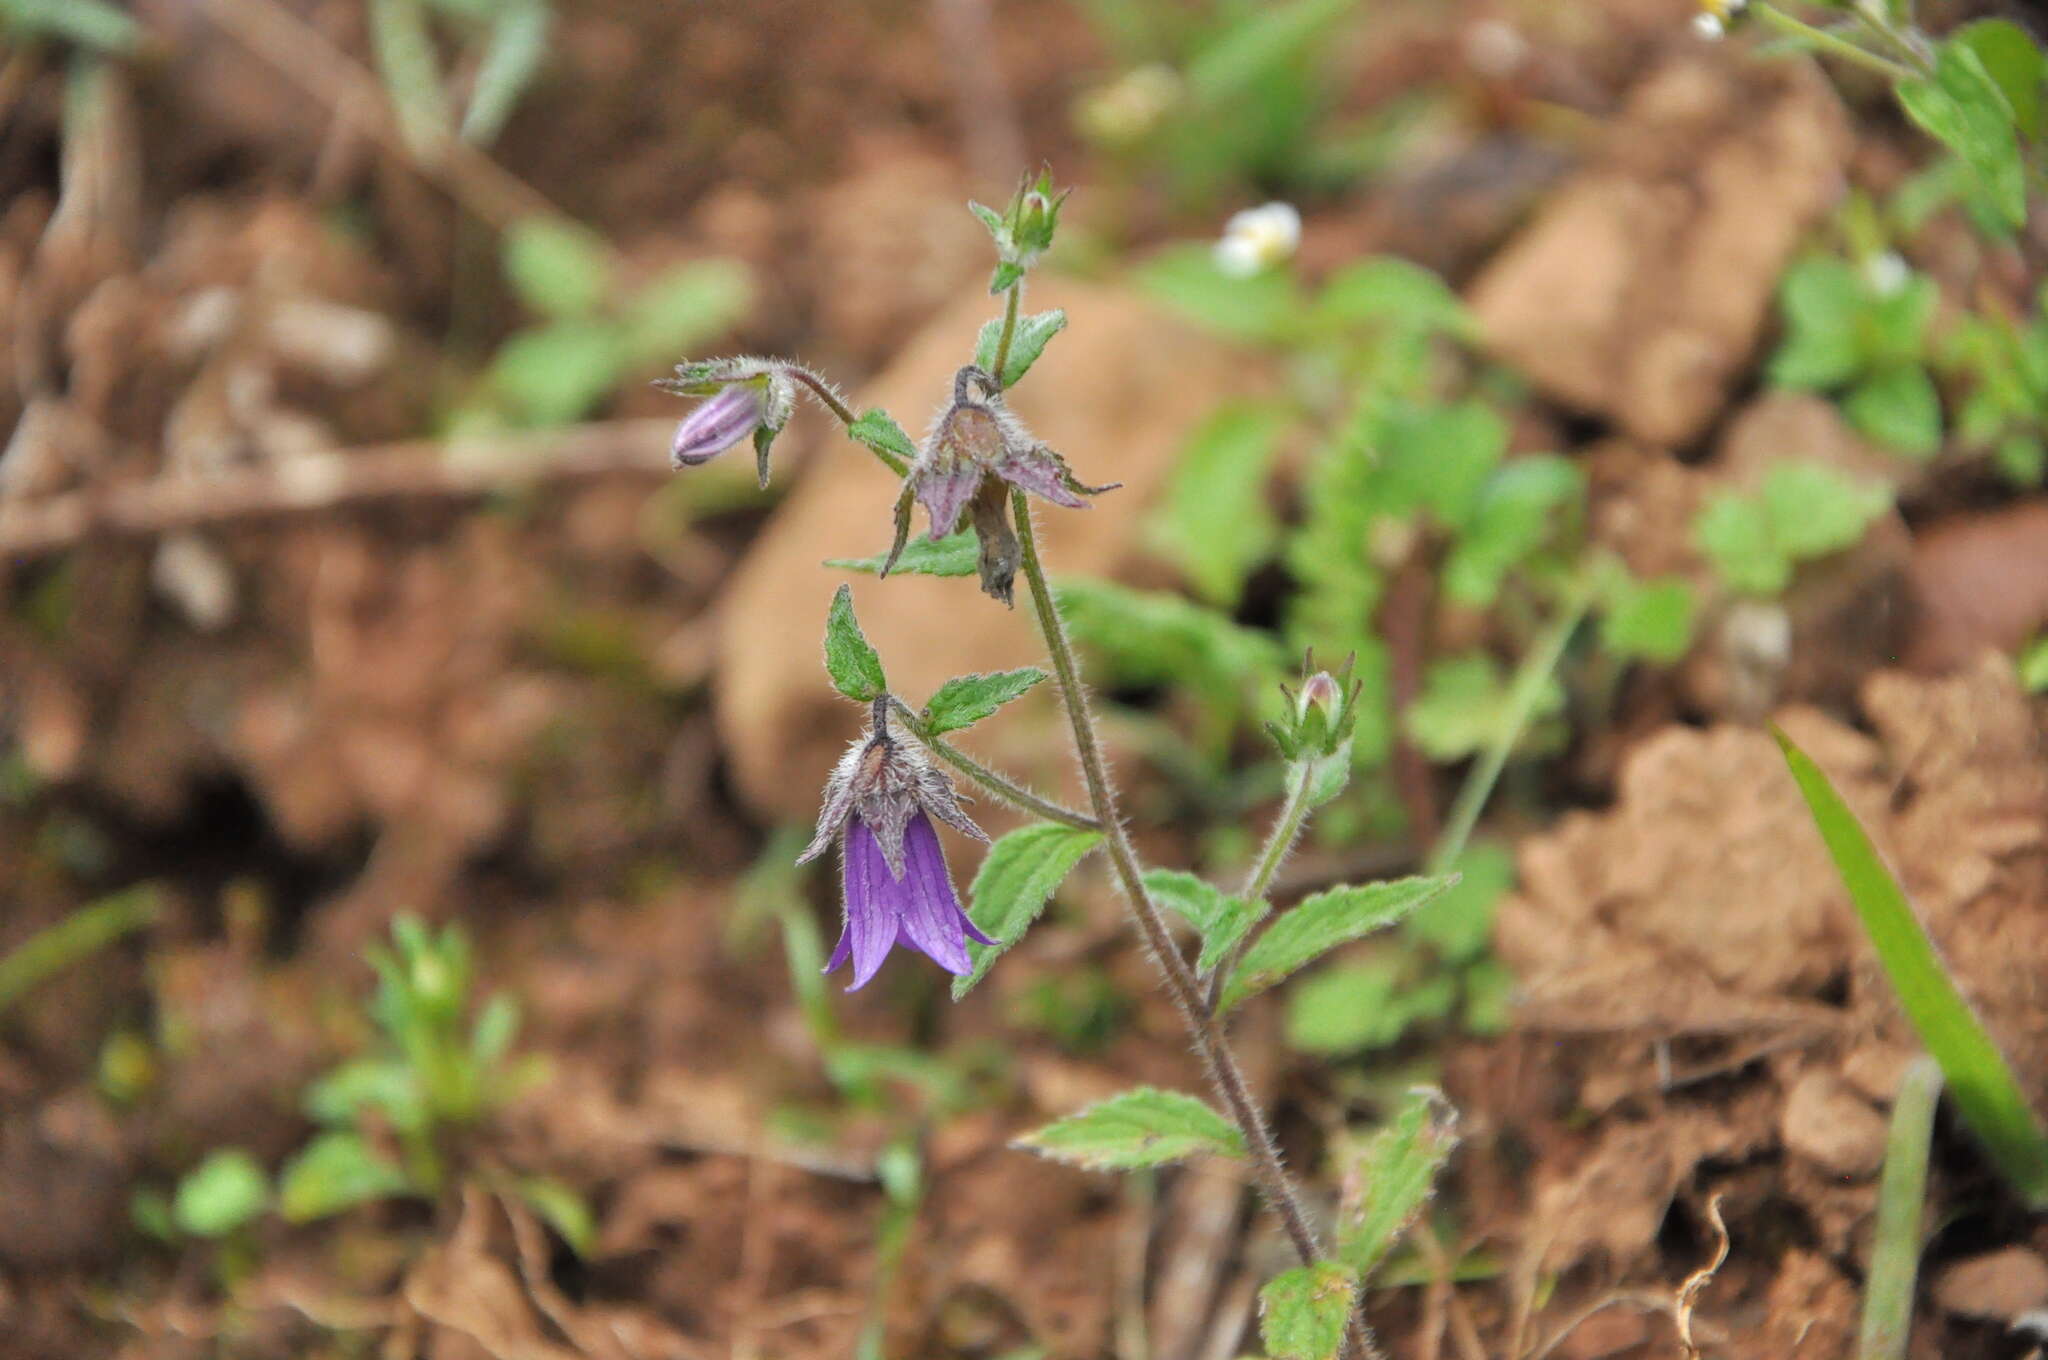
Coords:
pixel 1320 924
pixel 1026 344
pixel 1302 1311
pixel 874 428
pixel 1393 1176
pixel 1220 920
pixel 1144 1127
pixel 855 669
pixel 1016 879
pixel 967 699
pixel 1899 408
pixel 954 555
pixel 2014 62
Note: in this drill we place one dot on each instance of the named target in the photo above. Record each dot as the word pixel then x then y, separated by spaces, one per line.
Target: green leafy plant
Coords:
pixel 1803 511
pixel 432 1073
pixel 2003 367
pixel 594 332
pixel 1862 334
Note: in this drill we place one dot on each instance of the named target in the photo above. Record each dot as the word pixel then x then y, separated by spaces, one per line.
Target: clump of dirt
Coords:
pixel 1726 1013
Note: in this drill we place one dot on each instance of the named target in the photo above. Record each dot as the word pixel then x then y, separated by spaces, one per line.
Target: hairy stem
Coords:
pixel 1217 1059
pixel 1527 688
pixel 1003 787
pixel 1832 44
pixel 1286 829
pixel 822 390
pixel 1011 296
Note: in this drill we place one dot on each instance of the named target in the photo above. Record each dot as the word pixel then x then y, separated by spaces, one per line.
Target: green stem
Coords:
pixel 1286 829
pixel 1527 688
pixel 1010 299
pixel 1217 1059
pixel 1773 17
pixel 1895 1248
pixel 1009 790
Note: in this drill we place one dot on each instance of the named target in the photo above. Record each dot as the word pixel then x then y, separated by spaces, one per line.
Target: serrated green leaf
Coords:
pixel 1303 1311
pixel 336 1171
pixel 1650 620
pixel 1144 1127
pixel 1215 524
pixel 1218 918
pixel 559 269
pixel 1392 1177
pixel 1983 1085
pixel 1016 879
pixel 875 428
pixel 967 699
pixel 1436 458
pixel 953 555
pixel 1899 408
pixel 1346 1008
pixel 221 1194
pixel 1320 924
pixel 1032 335
pixel 1963 108
pixel 855 669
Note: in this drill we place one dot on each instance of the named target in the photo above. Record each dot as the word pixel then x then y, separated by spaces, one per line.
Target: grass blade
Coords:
pixel 1984 1087
pixel 1895 1249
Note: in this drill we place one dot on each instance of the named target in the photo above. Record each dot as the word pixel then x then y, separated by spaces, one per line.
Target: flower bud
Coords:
pixel 717 424
pixel 1321 717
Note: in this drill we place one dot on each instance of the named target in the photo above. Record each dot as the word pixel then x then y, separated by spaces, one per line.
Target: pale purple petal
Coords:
pixel 840 950
pixel 716 425
pixel 870 903
pixel 928 908
pixel 945 494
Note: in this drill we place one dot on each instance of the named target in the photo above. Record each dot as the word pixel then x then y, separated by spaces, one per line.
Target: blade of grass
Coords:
pixel 1895 1249
pixel 81 934
pixel 1985 1090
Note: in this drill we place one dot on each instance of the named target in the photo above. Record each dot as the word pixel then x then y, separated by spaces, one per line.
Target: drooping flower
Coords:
pixel 747 396
pixel 1258 238
pixel 975 447
pixel 716 425
pixel 879 803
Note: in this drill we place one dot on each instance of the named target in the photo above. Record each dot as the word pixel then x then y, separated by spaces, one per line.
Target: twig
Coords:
pixel 1696 1283
pixel 422 468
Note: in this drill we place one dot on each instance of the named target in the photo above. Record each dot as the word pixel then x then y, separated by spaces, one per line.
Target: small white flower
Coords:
pixel 1709 25
pixel 1131 107
pixel 1258 238
pixel 1886 273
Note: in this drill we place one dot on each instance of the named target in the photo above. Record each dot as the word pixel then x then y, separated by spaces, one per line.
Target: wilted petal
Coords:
pixel 1039 471
pixel 871 897
pixel 717 424
pixel 945 490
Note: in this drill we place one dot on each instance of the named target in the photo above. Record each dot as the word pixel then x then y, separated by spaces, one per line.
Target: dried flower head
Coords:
pixel 975 447
pixel 748 396
pixel 879 803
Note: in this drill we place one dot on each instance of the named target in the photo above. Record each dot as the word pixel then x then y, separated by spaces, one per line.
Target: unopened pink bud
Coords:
pixel 717 424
